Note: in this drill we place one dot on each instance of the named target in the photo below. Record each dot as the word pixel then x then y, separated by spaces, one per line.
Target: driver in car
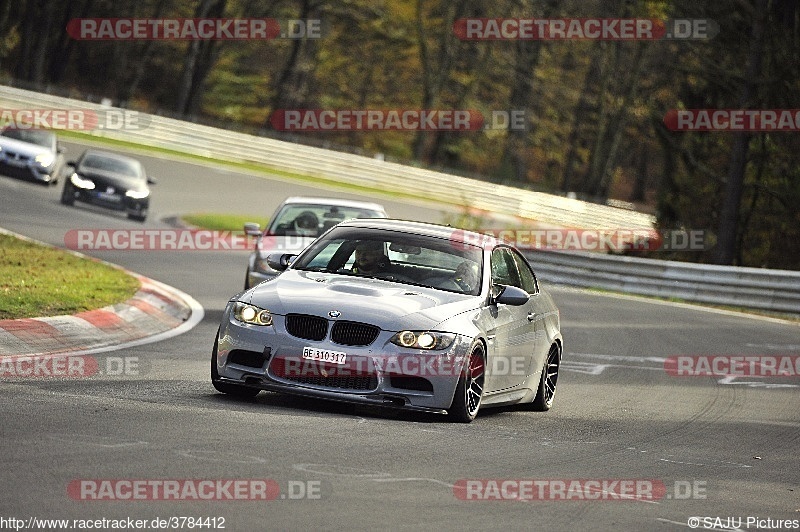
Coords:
pixel 466 276
pixel 306 224
pixel 370 259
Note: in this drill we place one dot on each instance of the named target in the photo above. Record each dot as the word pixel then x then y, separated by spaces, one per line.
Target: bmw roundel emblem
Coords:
pixel 334 314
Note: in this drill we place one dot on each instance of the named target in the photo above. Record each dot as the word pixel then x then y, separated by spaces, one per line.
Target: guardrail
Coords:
pixel 774 290
pixel 748 287
pixel 347 168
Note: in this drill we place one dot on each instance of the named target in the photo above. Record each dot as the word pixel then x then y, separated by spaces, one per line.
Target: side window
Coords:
pixel 504 269
pixel 499 268
pixel 526 275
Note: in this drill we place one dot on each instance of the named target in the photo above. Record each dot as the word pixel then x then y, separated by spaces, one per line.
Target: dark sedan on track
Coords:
pixel 109 180
pixel 399 314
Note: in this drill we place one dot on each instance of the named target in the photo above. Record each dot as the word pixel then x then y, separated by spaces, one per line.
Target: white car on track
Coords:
pixel 297 222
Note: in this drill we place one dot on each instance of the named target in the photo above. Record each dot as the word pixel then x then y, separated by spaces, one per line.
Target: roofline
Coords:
pixel 111 154
pixel 430 229
pixel 314 200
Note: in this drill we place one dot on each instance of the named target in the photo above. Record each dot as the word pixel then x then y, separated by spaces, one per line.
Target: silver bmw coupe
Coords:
pixel 399 314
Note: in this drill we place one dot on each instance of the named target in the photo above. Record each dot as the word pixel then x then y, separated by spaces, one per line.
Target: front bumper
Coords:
pixel 117 202
pixel 28 170
pixel 381 374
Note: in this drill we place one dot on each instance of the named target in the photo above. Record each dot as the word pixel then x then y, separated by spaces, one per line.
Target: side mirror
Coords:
pixel 60 148
pixel 252 229
pixel 510 295
pixel 73 164
pixel 280 261
pixel 152 180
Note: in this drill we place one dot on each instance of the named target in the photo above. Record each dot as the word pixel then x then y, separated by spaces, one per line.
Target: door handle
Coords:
pixel 531 316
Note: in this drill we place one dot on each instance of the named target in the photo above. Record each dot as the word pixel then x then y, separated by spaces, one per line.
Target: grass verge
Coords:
pixel 37 281
pixel 222 222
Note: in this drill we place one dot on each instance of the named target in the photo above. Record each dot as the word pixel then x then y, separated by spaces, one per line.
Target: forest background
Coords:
pixel 594 110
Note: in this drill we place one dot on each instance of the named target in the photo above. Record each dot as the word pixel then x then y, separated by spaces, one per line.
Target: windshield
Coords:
pixel 33 136
pixel 125 167
pixel 395 256
pixel 313 220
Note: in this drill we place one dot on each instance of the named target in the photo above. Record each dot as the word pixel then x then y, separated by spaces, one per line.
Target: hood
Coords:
pixel 104 178
pixel 390 306
pixel 23 148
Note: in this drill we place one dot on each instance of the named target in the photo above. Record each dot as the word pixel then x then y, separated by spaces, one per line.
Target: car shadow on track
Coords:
pixel 22 177
pixel 109 213
pixel 277 403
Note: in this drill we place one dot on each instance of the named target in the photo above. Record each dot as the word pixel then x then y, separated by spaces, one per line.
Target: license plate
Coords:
pixel 108 197
pixel 323 355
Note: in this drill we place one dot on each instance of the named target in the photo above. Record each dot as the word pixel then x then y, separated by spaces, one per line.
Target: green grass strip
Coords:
pixel 38 281
pixel 223 222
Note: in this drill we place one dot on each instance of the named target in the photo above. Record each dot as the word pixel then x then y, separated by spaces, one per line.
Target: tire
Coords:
pixel 140 217
pixel 67 195
pixel 245 392
pixel 469 391
pixel 547 383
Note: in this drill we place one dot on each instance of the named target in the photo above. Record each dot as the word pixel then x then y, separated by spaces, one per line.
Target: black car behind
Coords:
pixel 109 180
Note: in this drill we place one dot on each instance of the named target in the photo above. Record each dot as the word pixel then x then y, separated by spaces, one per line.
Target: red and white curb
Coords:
pixel 156 312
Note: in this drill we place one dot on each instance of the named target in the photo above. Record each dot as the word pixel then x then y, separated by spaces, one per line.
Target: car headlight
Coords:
pixel 251 314
pixel 45 159
pixel 137 194
pixel 80 182
pixel 423 339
